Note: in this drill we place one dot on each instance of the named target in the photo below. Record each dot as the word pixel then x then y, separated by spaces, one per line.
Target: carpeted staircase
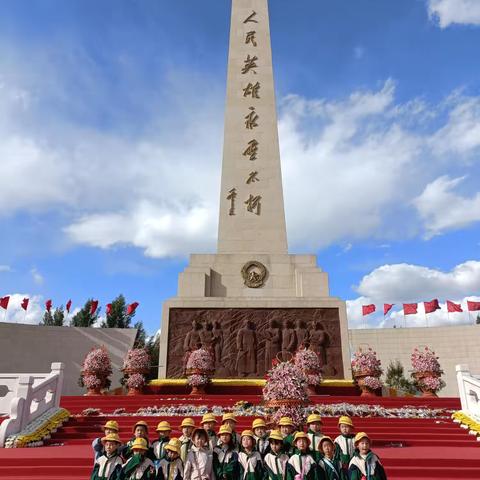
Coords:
pixel 409 448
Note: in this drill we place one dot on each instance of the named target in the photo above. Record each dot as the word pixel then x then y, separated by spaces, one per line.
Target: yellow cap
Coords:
pixel 344 420
pixel 325 438
pixel 164 427
pixel 275 435
pixel 112 425
pixel 141 423
pixel 139 444
pixel 359 437
pixel 111 437
pixel 248 433
pixel 188 422
pixel 225 429
pixel 314 417
pixel 286 421
pixel 174 445
pixel 229 416
pixel 208 417
pixel 300 435
pixel 258 422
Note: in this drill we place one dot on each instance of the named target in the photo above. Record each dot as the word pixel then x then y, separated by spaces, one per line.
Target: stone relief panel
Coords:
pixel 244 341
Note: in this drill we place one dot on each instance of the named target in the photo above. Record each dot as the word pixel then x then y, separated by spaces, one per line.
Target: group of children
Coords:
pixel 201 453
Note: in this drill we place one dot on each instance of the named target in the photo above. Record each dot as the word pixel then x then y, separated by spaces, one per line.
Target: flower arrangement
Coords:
pixel 309 363
pixel 96 370
pixel 135 366
pixel 200 366
pixel 426 371
pixel 366 363
pixel 136 381
pixel 374 383
pixel 200 360
pixel 285 381
pixel 425 361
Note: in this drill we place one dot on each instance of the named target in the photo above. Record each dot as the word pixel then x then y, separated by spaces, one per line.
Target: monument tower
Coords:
pixel 251 299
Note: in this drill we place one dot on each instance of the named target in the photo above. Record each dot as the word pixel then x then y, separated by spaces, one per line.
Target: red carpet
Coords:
pixel 409 448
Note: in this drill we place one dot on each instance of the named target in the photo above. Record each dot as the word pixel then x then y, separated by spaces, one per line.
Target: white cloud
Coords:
pixel 448 12
pixel 404 283
pixel 442 209
pixel 5 268
pixel 37 276
pixel 16 314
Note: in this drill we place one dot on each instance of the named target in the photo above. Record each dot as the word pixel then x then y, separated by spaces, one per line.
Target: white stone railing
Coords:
pixel 29 397
pixel 469 390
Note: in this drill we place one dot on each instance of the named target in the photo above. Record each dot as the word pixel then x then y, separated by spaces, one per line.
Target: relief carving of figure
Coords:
pixel 289 338
pixel 192 342
pixel 319 341
pixel 302 334
pixel 273 343
pixel 206 335
pixel 246 350
pixel 217 341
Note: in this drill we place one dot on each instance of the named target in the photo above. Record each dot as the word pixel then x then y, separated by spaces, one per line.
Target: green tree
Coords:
pixel 478 320
pixel 141 338
pixel 395 378
pixel 84 318
pixel 117 317
pixel 153 349
pixel 55 320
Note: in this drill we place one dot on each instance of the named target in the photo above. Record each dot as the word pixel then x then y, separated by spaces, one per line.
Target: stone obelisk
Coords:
pixel 252 299
pixel 252 218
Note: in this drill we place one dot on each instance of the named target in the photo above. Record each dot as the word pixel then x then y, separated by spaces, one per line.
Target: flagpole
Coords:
pixel 404 319
pixel 5 316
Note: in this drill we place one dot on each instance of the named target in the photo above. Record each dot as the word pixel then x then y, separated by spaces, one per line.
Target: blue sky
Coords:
pixel 111 138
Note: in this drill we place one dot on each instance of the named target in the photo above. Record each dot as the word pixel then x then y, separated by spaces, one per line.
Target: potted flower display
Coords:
pixel 366 369
pixel 96 370
pixel 199 369
pixel 426 372
pixel 135 368
pixel 309 363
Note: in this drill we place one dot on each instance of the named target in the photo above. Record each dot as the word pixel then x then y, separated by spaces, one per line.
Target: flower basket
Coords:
pixel 427 372
pixel 96 370
pixel 135 368
pixel 368 384
pixel 200 367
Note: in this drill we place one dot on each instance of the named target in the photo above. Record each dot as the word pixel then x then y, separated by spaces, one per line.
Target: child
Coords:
pixel 109 465
pixel 158 446
pixel 138 466
pixel 314 422
pixel 330 466
pixel 301 465
pixel 199 464
pixel 287 428
pixel 250 461
pixel 111 427
pixel 275 460
pixel 225 458
pixel 230 421
pixel 261 438
pixel 365 464
pixel 187 426
pixel 208 423
pixel 171 466
pixel 140 430
pixel 345 447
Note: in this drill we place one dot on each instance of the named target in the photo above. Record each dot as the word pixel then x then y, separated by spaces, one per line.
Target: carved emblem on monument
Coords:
pixel 254 274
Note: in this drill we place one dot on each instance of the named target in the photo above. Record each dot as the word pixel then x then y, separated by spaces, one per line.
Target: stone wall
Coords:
pixel 33 348
pixel 454 345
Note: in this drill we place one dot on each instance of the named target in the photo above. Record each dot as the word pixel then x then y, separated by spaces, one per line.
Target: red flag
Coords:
pixel 93 307
pixel 432 306
pixel 48 305
pixel 108 308
pixel 454 307
pixel 410 308
pixel 133 306
pixel 4 302
pixel 68 306
pixel 473 306
pixel 368 309
pixel 387 307
pixel 24 304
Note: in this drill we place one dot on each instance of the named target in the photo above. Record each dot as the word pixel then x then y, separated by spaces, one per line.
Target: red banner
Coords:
pixel 4 302
pixel 133 306
pixel 24 304
pixel 108 308
pixel 69 306
pixel 387 307
pixel 410 308
pixel 473 306
pixel 93 307
pixel 432 306
pixel 454 307
pixel 48 305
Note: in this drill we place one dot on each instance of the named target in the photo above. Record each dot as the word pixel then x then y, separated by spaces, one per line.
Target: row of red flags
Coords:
pixel 430 307
pixel 48 305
